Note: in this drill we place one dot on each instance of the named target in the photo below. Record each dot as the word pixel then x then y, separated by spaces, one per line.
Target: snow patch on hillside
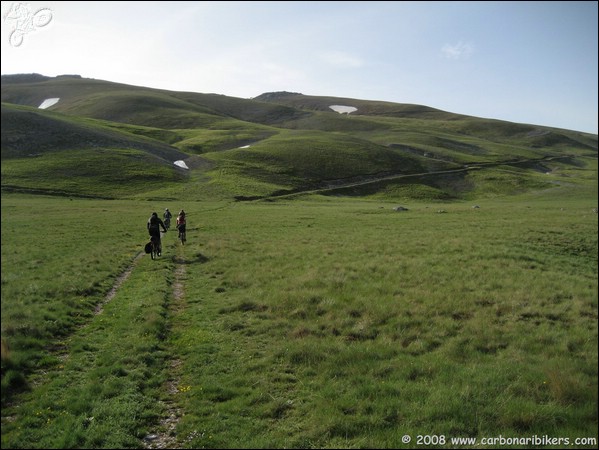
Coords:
pixel 341 109
pixel 48 102
pixel 181 163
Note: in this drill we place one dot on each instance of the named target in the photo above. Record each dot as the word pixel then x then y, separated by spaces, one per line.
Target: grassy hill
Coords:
pixel 250 148
pixel 47 152
pixel 320 317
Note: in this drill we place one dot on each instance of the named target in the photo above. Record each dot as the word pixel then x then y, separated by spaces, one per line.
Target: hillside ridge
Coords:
pixel 278 142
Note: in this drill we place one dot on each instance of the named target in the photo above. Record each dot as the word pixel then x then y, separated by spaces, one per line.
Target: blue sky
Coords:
pixel 526 62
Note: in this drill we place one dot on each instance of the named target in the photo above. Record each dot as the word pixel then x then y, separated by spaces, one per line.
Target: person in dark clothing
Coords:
pixel 181 225
pixel 154 224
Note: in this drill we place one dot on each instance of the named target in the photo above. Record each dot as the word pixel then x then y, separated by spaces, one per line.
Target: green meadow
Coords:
pixel 315 322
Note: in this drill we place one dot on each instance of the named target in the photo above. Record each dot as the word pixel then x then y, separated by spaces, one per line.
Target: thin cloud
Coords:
pixel 461 50
pixel 341 59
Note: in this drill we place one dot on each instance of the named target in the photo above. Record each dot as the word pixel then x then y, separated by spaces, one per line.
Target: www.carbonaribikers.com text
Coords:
pixel 432 439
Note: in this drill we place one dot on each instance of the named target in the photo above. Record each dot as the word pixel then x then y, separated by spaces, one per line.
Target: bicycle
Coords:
pixel 182 236
pixel 167 223
pixel 26 21
pixel 155 248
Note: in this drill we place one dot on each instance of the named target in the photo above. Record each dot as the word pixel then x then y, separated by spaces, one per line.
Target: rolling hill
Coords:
pixel 115 140
pixel 299 321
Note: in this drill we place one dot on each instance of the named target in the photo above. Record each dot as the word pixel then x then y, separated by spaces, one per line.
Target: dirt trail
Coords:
pixel 165 436
pixel 61 349
pixel 333 185
pixel 117 284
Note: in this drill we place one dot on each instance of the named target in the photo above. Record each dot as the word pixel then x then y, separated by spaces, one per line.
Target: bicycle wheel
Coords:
pixel 16 38
pixel 155 247
pixel 42 17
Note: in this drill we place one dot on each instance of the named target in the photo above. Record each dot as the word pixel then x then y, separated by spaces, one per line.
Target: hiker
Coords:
pixel 154 224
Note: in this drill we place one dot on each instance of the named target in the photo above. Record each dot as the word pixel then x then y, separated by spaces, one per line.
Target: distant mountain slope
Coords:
pixel 364 107
pixel 139 105
pixel 50 153
pixel 27 131
pixel 529 135
pixel 274 143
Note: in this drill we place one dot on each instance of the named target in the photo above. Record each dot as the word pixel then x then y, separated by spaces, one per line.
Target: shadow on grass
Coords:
pixel 197 259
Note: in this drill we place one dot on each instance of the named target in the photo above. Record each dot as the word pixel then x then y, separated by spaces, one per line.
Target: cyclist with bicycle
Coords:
pixel 154 224
pixel 181 224
pixel 167 218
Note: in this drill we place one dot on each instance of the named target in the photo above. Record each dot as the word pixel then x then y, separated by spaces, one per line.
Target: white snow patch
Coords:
pixel 48 102
pixel 245 146
pixel 343 109
pixel 181 163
